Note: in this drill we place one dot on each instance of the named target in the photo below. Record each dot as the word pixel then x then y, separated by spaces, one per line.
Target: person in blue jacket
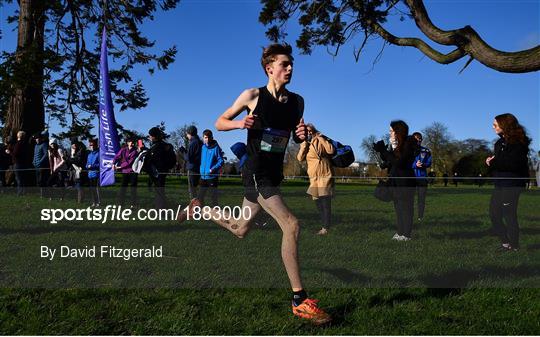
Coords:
pixel 92 165
pixel 41 161
pixel 211 163
pixel 421 163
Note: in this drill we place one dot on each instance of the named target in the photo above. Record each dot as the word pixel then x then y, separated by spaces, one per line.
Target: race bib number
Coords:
pixel 274 140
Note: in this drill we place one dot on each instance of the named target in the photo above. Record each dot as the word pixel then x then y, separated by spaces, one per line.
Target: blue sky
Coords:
pixel 220 43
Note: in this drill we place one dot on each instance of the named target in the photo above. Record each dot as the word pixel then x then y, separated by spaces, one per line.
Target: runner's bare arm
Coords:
pixel 246 101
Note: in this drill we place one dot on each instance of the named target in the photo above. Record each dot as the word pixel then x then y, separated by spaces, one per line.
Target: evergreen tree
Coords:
pixel 55 67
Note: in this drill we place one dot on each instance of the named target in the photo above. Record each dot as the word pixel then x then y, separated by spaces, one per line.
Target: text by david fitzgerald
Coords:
pixel 101 252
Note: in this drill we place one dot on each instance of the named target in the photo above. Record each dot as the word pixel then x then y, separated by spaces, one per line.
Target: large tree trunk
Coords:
pixel 25 109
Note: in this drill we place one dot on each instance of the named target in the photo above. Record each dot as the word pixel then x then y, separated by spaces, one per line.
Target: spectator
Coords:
pixel 445 179
pixel 192 158
pixel 317 151
pixel 123 162
pixel 421 163
pixel 21 161
pixel 92 165
pixel 211 164
pixel 58 167
pixel 10 174
pixel 399 163
pixel 156 166
pixel 510 168
pixel 5 163
pixel 76 164
pixel 41 161
pixel 432 177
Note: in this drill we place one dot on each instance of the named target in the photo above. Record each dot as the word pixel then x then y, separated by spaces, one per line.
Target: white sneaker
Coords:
pixel 323 231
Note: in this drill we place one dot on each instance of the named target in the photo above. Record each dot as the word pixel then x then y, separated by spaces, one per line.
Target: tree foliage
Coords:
pixel 68 59
pixel 367 147
pixel 332 23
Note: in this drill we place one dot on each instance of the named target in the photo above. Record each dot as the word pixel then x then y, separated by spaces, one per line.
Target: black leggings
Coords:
pixel 404 207
pixel 208 185
pixel 503 209
pixel 94 188
pixel 128 179
pixel 421 189
pixel 324 205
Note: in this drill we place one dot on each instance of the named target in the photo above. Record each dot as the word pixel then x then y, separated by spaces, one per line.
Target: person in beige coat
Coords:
pixel 317 151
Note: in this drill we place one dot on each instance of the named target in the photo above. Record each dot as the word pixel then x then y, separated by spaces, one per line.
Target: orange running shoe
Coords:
pixel 310 311
pixel 182 216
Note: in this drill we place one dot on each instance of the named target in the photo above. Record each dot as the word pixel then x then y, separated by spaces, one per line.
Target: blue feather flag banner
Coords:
pixel 108 135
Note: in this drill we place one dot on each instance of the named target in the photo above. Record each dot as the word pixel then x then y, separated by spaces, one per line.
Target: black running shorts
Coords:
pixel 265 185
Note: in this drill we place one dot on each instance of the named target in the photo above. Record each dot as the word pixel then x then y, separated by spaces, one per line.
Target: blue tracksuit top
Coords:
pixel 424 156
pixel 211 159
pixel 92 164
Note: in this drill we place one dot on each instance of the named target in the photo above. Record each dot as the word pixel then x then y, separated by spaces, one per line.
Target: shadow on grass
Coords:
pixel 347 276
pixel 533 247
pixel 461 278
pixel 405 296
pixel 530 231
pixel 463 235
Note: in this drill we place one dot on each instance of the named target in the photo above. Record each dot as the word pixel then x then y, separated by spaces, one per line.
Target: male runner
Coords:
pixel 273 114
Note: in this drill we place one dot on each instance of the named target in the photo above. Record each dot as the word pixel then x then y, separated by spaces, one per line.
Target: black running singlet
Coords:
pixel 267 140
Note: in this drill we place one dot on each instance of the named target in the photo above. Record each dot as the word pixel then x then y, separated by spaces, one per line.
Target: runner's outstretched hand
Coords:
pixel 301 130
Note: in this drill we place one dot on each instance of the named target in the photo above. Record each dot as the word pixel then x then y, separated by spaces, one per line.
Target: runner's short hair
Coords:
pixel 269 54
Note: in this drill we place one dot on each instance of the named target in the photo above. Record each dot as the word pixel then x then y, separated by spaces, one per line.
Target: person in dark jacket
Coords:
pixel 10 174
pixel 420 165
pixel 510 168
pixel 21 161
pixel 5 163
pixel 211 163
pixel 76 163
pixel 455 179
pixel 155 165
pixel 123 162
pixel 399 162
pixel 192 158
pixel 41 161
pixel 92 165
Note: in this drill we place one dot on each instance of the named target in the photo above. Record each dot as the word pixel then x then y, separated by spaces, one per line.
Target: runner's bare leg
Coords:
pixel 276 207
pixel 240 227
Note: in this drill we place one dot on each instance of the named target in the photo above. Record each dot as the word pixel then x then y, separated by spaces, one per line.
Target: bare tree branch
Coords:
pixel 469 41
pixel 418 44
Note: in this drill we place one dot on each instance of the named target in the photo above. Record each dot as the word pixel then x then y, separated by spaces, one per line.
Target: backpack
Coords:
pixel 139 162
pixel 169 161
pixel 343 155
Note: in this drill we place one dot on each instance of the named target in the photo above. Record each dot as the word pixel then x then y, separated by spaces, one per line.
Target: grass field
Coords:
pixel 448 280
